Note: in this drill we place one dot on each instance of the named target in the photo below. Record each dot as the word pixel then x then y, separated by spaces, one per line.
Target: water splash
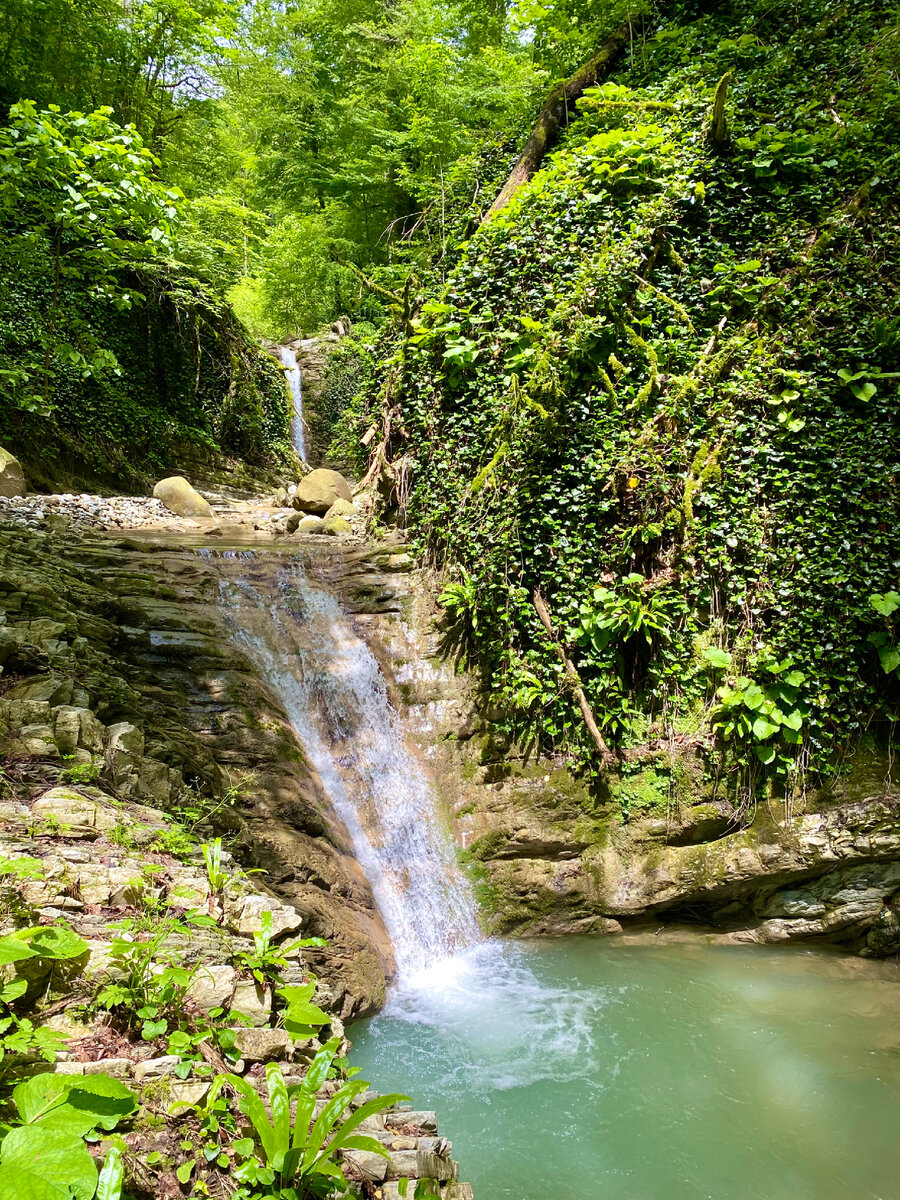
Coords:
pixel 295 383
pixel 333 692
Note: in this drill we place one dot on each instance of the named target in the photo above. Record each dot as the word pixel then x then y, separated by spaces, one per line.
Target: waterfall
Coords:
pixel 294 382
pixel 334 694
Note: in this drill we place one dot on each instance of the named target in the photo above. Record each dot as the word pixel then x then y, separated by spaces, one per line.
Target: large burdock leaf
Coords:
pixel 73 1104
pixel 46 1164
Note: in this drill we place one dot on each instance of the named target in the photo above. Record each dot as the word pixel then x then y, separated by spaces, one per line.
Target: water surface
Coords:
pixel 585 1069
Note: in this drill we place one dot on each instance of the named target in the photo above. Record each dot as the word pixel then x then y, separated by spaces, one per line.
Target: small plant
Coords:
pixel 20 1037
pixel 298 1157
pixel 143 994
pixel 301 1018
pixel 212 857
pixel 265 961
pixel 43 1155
pixel 885 640
pixel 187 1043
pixel 767 717
pixel 83 773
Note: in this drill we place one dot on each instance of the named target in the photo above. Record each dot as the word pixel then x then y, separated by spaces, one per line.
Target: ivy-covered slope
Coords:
pixel 187 382
pixel 661 388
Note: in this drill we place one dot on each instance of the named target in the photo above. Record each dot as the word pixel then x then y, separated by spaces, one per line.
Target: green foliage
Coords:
pixel 666 362
pixel 81 773
pixel 43 1156
pixel 149 988
pixel 295 1152
pixel 266 960
pixel 767 717
pixel 20 1038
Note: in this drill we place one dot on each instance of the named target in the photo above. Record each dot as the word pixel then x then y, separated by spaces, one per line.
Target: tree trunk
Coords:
pixel 607 758
pixel 555 114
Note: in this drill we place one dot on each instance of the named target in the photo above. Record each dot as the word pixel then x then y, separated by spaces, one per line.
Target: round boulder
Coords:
pixel 180 498
pixel 320 489
pixel 12 477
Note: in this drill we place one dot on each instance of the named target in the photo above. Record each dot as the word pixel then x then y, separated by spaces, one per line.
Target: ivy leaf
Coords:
pixel 763 728
pixel 885 603
pixel 890 658
pixel 720 659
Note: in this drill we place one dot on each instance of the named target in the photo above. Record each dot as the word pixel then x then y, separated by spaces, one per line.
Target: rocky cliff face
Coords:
pixel 115 664
pixel 548 857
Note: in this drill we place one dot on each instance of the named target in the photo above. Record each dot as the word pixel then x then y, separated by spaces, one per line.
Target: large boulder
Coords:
pixel 320 489
pixel 180 498
pixel 12 477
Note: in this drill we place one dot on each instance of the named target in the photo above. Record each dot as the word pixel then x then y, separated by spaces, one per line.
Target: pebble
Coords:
pixel 83 511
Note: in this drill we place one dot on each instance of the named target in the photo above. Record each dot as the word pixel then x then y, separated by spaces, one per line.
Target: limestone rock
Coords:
pixel 212 986
pixel 342 508
pixel 370 1166
pixel 263 1045
pixel 180 498
pixel 311 525
pixel 156 1068
pixel 320 489
pixel 126 739
pixel 189 1092
pixel 12 477
pixel 253 1001
pixel 72 809
pixel 285 918
pixel 335 526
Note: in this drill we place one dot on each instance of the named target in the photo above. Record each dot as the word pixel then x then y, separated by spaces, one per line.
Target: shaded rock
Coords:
pixel 291 522
pixel 263 1045
pixel 320 489
pixel 12 477
pixel 180 498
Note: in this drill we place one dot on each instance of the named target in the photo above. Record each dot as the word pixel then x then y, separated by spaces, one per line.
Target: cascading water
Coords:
pixel 335 697
pixel 570 1067
pixel 295 383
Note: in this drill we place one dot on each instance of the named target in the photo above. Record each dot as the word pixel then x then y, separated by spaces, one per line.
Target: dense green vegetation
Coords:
pixel 660 387
pixel 657 390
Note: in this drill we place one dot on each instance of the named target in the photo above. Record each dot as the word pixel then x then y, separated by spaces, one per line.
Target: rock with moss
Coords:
pixel 12 476
pixel 181 498
pixel 320 489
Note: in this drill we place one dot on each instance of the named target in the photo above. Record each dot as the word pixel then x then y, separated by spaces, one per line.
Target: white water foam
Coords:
pixel 333 692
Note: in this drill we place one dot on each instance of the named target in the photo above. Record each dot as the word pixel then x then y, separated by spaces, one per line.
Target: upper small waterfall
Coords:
pixel 334 694
pixel 295 383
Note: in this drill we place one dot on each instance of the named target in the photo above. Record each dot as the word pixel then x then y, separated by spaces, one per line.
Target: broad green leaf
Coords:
pixel 109 1185
pixel 54 941
pixel 763 728
pixel 13 950
pixel 885 603
pixel 280 1104
pixel 720 659
pixel 46 1164
pixel 890 658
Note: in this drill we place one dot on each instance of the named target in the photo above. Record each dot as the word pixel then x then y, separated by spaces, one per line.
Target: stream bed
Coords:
pixel 583 1069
